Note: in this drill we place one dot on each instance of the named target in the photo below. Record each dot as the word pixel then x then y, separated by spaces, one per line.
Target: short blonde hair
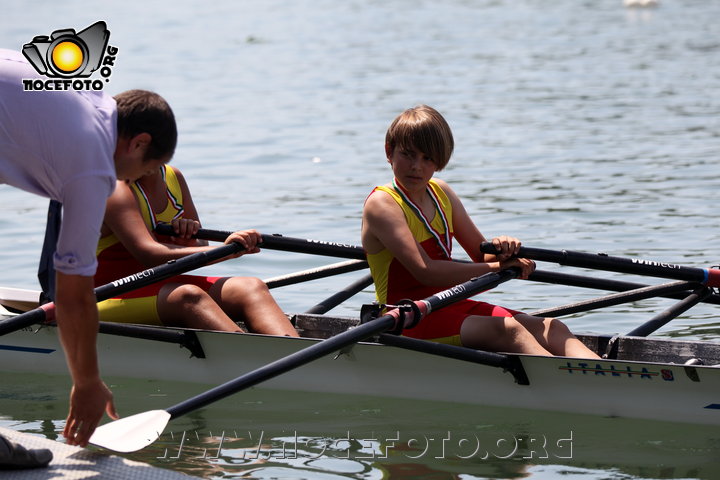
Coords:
pixel 422 128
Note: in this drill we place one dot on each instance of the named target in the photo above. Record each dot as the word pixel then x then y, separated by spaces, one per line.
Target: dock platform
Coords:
pixel 75 463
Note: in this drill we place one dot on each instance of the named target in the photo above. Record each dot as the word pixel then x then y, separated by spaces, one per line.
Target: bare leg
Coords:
pixel 187 305
pixel 555 336
pixel 522 334
pixel 499 334
pixel 248 299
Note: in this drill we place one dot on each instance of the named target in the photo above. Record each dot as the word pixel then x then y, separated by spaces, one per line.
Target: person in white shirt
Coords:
pixel 71 146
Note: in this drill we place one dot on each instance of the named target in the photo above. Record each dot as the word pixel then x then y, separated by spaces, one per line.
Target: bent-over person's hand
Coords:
pixel 87 405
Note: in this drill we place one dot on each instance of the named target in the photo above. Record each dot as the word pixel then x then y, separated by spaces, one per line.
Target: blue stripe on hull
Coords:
pixel 27 349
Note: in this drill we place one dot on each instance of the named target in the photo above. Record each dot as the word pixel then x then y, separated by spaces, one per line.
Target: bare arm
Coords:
pixel 384 226
pixel 187 226
pixel 123 218
pixel 77 320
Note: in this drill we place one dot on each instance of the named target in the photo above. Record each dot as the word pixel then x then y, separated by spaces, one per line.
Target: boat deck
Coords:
pixel 71 463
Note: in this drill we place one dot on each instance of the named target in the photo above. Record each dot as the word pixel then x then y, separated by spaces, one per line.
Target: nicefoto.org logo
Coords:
pixel 68 58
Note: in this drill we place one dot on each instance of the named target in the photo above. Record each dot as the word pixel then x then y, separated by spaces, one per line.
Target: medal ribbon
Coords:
pixel 442 239
pixel 171 198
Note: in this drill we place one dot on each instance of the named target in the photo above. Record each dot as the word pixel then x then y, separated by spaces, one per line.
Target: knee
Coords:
pixel 555 327
pixel 512 327
pixel 492 333
pixel 247 285
pixel 187 294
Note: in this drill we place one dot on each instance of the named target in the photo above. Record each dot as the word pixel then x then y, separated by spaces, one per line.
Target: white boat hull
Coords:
pixel 652 390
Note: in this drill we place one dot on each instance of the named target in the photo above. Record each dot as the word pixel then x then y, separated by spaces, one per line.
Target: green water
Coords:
pixel 269 434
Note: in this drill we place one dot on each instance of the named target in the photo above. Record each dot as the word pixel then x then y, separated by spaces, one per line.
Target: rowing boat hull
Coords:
pixel 622 388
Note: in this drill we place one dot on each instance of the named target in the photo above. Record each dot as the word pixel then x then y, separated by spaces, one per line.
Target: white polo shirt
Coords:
pixel 60 145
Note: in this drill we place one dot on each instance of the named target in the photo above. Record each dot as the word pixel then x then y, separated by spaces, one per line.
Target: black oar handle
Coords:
pixel 470 288
pixel 340 341
pixel 164 271
pixel 126 284
pixel 279 242
pixel 601 261
pixel 415 311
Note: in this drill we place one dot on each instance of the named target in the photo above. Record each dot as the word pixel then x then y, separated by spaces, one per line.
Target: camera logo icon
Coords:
pixel 67 54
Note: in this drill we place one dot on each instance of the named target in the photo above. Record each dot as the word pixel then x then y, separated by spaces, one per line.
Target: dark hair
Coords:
pixel 141 111
pixel 424 129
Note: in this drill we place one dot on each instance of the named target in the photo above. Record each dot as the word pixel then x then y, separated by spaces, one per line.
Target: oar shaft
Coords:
pixel 285 364
pixel 336 299
pixel 470 288
pixel 674 311
pixel 164 271
pixel 605 284
pixel 616 299
pixel 26 319
pixel 315 273
pixel 126 284
pixel 338 342
pixel 709 277
pixel 279 242
pixel 510 363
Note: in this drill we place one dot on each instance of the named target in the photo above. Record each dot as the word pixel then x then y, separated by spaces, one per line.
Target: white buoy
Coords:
pixel 640 3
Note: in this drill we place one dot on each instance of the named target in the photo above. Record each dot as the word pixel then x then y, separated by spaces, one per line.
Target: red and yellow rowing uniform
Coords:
pixel 115 261
pixel 393 282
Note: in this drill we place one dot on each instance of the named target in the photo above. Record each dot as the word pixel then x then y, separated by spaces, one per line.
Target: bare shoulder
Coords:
pixel 454 199
pixel 177 171
pixel 445 186
pixel 180 177
pixel 121 194
pixel 379 202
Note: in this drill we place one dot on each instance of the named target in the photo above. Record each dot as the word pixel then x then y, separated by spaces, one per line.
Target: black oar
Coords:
pixel 673 312
pixel 278 242
pixel 316 273
pixel 338 298
pixel 615 299
pixel 601 261
pixel 126 284
pixel 138 431
pixel 606 284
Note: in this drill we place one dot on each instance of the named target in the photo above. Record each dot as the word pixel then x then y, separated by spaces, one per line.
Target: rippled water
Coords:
pixel 580 125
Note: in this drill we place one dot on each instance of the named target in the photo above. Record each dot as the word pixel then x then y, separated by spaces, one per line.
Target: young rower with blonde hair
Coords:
pixel 408 227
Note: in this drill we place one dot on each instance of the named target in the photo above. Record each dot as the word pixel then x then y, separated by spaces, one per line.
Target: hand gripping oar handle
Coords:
pixel 126 284
pixel 279 242
pixel 601 261
pixel 338 342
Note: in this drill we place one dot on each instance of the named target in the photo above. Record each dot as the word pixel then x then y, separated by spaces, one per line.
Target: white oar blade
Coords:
pixel 133 433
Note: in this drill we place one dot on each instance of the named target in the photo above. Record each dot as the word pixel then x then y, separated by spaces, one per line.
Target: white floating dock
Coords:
pixel 73 463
